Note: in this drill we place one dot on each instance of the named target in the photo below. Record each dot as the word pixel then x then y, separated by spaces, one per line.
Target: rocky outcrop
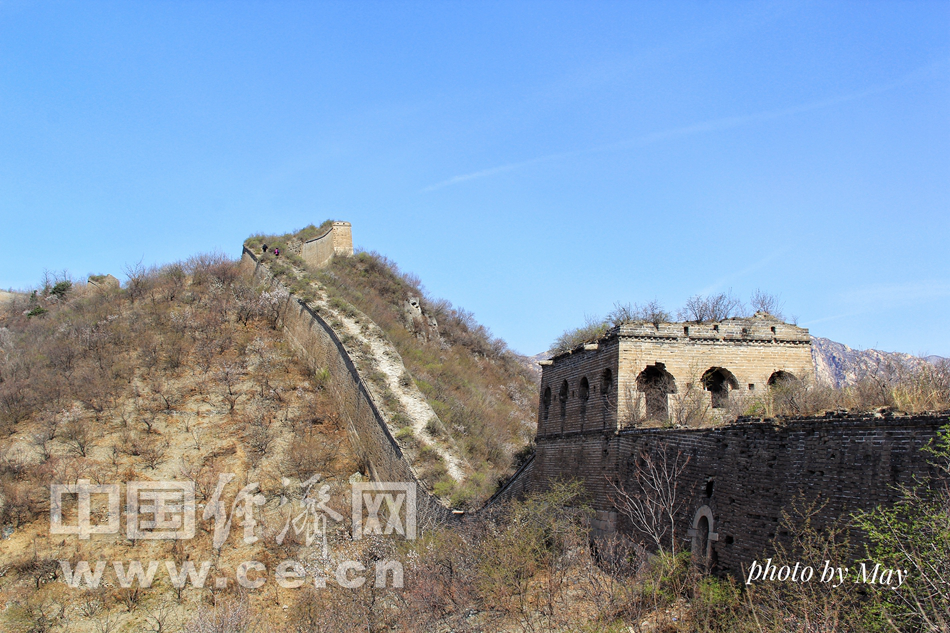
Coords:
pixel 838 365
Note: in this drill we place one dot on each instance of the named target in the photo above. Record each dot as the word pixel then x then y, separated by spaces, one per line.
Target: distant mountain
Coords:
pixel 839 365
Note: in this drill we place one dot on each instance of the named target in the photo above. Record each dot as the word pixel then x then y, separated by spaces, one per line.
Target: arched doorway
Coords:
pixel 702 537
pixel 656 384
pixel 718 381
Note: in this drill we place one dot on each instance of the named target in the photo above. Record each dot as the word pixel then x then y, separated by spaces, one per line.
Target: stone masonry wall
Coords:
pixel 566 410
pixel 742 477
pixel 319 345
pixel 320 250
pixel 751 350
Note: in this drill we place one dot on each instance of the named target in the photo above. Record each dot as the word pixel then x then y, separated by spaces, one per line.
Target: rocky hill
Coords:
pixel 838 365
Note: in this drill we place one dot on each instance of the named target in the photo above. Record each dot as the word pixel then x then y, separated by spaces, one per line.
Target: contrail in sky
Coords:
pixel 713 125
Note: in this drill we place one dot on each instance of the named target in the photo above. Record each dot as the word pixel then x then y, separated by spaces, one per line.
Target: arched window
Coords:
pixel 782 379
pixel 606 384
pixel 656 384
pixel 546 402
pixel 584 393
pixel 562 398
pixel 718 381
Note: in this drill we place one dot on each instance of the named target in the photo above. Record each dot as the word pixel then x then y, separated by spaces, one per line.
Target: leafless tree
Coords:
pixel 77 435
pixel 109 623
pixel 762 301
pixel 719 307
pixel 152 451
pixel 653 498
pixel 229 375
pixel 651 312
pixel 159 617
pixel 138 281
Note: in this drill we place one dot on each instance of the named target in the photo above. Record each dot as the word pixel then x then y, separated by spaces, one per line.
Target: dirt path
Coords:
pixel 384 358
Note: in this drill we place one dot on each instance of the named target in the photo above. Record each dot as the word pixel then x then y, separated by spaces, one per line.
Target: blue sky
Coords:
pixel 531 162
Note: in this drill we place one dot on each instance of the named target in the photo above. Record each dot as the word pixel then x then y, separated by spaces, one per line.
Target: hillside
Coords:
pixel 184 375
pixel 840 366
pixel 460 404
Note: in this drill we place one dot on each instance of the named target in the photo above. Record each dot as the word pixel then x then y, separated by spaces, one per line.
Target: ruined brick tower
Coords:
pixel 646 371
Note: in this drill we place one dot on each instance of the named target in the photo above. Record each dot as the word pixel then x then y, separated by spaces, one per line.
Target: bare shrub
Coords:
pixel 229 616
pixel 718 307
pixel 691 405
pixel 77 435
pixel 651 312
pixel 536 540
pixel 592 330
pixel 762 301
pixel 650 496
pixel 310 454
pixel 138 281
pixel 230 374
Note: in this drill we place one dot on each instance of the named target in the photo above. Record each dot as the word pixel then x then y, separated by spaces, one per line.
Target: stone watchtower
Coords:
pixel 338 240
pixel 646 371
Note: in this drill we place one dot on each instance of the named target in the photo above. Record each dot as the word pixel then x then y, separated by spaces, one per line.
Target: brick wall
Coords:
pixel 746 475
pixel 318 344
pixel 337 241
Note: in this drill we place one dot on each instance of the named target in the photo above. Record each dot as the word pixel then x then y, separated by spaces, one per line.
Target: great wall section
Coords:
pixel 323 349
pixel 737 480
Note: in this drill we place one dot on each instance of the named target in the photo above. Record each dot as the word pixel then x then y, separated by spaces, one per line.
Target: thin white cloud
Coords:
pixel 722 282
pixel 713 125
pixel 889 295
pixel 876 297
pixel 497 170
pixel 832 318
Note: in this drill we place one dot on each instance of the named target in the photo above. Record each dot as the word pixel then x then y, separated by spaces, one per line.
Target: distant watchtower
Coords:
pixel 337 241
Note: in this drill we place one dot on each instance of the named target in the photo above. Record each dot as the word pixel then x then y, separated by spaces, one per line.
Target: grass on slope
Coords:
pixel 484 396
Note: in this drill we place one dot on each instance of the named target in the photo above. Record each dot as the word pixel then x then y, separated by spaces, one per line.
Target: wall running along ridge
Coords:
pixel 338 240
pixel 319 345
pixel 743 477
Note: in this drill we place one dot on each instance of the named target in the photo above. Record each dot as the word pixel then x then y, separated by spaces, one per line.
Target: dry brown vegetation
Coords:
pixel 484 397
pixel 183 374
pixel 890 387
pixel 180 375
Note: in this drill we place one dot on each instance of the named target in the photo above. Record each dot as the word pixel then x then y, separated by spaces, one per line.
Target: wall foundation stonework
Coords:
pixel 743 477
